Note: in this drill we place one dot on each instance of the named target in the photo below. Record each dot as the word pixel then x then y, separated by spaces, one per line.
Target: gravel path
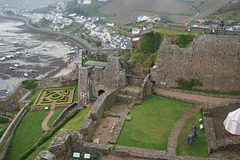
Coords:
pixel 172 139
pixel 191 97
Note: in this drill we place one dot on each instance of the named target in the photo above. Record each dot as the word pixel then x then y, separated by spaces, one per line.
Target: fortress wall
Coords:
pixel 214 60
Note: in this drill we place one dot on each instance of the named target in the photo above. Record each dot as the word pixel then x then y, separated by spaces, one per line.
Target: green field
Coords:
pixel 72 124
pixel 56 113
pixel 27 133
pixel 152 123
pixel 198 147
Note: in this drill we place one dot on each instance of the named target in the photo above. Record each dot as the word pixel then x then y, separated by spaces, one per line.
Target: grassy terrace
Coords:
pixel 27 133
pixel 152 123
pixel 170 31
pixel 72 124
pixel 198 147
pixel 29 129
pixel 56 113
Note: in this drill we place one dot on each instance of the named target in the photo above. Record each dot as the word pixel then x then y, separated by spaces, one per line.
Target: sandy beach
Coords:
pixel 34 54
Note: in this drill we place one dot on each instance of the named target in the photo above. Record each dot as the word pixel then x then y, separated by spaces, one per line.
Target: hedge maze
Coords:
pixel 60 96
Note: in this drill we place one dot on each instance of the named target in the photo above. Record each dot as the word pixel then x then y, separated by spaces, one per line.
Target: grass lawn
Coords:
pixel 56 113
pixel 27 133
pixel 198 147
pixel 152 123
pixel 170 31
pixel 72 124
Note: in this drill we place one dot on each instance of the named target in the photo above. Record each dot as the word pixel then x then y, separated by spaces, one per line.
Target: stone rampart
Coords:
pixel 8 134
pixel 69 79
pixel 214 60
pixel 222 109
pixel 94 116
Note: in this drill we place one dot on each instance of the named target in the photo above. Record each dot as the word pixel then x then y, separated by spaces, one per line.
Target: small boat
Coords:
pixel 25 75
pixel 28 55
pixel 10 56
pixel 2 59
pixel 13 50
pixel 71 52
pixel 18 52
pixel 12 68
pixel 3 44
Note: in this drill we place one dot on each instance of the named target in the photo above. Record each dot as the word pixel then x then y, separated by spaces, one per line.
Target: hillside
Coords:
pixel 229 12
pixel 177 10
pixel 128 10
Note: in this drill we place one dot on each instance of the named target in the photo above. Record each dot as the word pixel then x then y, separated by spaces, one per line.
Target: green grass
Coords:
pixel 27 133
pixel 237 93
pixel 152 123
pixel 171 32
pixel 198 147
pixel 72 124
pixel 56 113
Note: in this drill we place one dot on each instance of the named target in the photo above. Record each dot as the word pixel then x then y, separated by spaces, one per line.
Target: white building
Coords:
pixel 86 2
pixel 135 31
pixel 143 18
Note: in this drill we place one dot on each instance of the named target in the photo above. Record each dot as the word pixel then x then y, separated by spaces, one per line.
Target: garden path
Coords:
pixel 191 97
pixel 172 140
pixel 44 123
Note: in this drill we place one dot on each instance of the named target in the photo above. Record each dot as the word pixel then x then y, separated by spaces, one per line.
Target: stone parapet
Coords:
pixel 94 116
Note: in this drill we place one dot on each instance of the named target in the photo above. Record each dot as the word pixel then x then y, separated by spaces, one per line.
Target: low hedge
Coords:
pixel 45 100
pixel 49 134
pixel 66 92
pixel 47 93
pixel 3 120
pixel 55 96
pixel 63 99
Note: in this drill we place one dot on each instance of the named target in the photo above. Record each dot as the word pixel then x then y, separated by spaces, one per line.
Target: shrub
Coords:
pixel 150 42
pixel 189 84
pixel 66 92
pixel 30 84
pixel 63 99
pixel 55 96
pixel 3 120
pixel 45 100
pixel 183 40
pixel 47 93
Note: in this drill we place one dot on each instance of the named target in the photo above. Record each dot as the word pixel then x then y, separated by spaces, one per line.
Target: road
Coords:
pixel 197 14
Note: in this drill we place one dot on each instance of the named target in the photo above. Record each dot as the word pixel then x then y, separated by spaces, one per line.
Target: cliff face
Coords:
pixel 214 60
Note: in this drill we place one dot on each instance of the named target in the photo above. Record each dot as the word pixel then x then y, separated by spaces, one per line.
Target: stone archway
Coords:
pixel 100 92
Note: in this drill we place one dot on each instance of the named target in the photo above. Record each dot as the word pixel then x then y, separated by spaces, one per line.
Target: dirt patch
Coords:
pixel 119 108
pixel 103 131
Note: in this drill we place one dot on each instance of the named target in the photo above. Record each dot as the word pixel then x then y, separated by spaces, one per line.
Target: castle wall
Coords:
pixel 214 60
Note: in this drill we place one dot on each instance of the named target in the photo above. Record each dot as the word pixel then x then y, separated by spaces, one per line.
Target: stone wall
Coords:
pixel 94 116
pixel 99 76
pixel 134 80
pixel 12 105
pixel 219 110
pixel 69 79
pixel 222 109
pixel 214 60
pixel 8 134
pixel 146 88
